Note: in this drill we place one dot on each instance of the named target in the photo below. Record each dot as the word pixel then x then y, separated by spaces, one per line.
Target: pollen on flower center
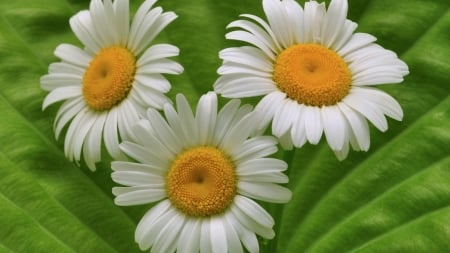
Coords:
pixel 201 181
pixel 312 74
pixel 109 78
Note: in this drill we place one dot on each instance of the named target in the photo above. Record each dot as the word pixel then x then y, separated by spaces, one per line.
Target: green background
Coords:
pixel 394 198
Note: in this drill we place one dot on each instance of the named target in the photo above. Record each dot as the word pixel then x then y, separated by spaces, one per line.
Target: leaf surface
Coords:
pixel 393 198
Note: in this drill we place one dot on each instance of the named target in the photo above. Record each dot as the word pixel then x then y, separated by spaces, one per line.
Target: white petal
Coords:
pixel 258 33
pixel 353 141
pixel 242 112
pixel 298 130
pixel 218 235
pixel 127 118
pixel 312 23
pixel 120 190
pixel 144 135
pixel 234 245
pixel 313 124
pixel 122 20
pixel 156 52
pixel 150 97
pixel 286 141
pixel 238 133
pixel 342 154
pixel 334 21
pixel 247 237
pixel 74 134
pixel 80 134
pixel 189 240
pixel 149 140
pixel 65 68
pixel 278 21
pixel 238 69
pixel 205 238
pixel 60 94
pixel 153 81
pixel 152 30
pixel 224 119
pixel 164 20
pixel 66 112
pixel 366 53
pixel 373 64
pixel 93 144
pixel 249 56
pixel 377 79
pixel 252 209
pixel 295 18
pixel 387 104
pixel 261 165
pixel 186 116
pixel 101 13
pixel 267 28
pixel 251 39
pixel 138 167
pixel 256 147
pixel 252 223
pixel 149 236
pixel 284 117
pixel 73 55
pixel 139 197
pixel 144 155
pixel 377 67
pixel 139 104
pixel 241 86
pixel 358 124
pixel 334 126
pixel 357 41
pixel 58 80
pixel 206 117
pixel 82 26
pixel 160 66
pixel 268 177
pixel 110 134
pixel 149 219
pixel 134 178
pixel 167 239
pixel 144 25
pixel 110 18
pixel 368 109
pixel 165 134
pixel 265 191
pixel 175 123
pixel 345 35
pixel 138 20
pixel 267 107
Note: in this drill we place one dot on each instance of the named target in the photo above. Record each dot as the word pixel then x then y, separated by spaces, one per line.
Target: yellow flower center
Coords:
pixel 201 181
pixel 109 78
pixel 312 74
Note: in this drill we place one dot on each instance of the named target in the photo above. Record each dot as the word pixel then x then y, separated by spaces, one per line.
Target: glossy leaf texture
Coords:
pixel 393 198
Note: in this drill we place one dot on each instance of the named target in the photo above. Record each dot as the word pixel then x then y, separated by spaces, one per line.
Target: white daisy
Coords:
pixel 110 83
pixel 314 72
pixel 203 170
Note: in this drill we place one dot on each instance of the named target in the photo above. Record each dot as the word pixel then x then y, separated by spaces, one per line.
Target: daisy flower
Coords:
pixel 107 86
pixel 203 171
pixel 315 74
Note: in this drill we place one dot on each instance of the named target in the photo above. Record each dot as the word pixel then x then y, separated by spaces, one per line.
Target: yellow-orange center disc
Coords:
pixel 201 181
pixel 109 78
pixel 312 74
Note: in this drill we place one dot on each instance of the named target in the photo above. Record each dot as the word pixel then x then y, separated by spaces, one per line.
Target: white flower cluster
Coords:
pixel 314 75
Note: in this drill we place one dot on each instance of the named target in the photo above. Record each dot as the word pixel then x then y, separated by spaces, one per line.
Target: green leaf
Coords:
pixel 393 198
